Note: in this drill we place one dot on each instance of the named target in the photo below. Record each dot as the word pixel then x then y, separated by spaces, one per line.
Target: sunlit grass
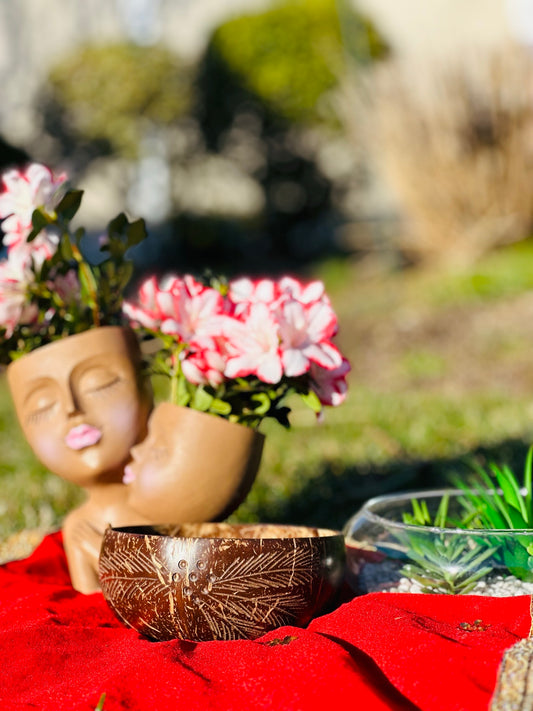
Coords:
pixel 30 497
pixel 406 427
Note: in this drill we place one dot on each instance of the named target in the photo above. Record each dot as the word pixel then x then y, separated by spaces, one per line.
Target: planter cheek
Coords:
pixel 82 406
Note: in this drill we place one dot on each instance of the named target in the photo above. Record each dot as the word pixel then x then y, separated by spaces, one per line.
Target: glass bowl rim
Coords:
pixel 401 496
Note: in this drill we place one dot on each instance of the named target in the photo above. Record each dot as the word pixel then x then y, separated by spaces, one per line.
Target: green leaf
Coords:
pixel 183 396
pixel 123 234
pixel 79 235
pixel 510 488
pixel 442 512
pixel 528 485
pixel 281 414
pixel 220 407
pixel 136 232
pixel 39 220
pixel 65 249
pixel 263 405
pixel 312 401
pixel 70 204
pixel 88 286
pixel 201 400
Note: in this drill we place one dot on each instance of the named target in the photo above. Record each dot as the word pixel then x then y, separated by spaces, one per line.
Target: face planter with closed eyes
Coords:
pixel 80 403
pixel 192 466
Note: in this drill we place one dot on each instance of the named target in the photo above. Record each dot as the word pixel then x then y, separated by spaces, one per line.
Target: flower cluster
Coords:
pixel 23 191
pixel 238 350
pixel 47 288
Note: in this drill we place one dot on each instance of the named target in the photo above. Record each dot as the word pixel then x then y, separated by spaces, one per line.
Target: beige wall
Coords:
pixel 439 29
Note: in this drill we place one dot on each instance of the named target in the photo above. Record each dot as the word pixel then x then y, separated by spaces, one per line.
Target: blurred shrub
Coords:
pixel 459 156
pixel 108 93
pixel 262 92
pixel 291 55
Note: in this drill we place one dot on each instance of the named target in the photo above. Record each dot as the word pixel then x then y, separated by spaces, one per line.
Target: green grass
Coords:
pixel 421 401
pixel 30 497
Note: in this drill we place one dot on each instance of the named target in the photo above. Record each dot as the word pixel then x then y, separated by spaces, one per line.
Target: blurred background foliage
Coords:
pixel 299 140
pixel 255 100
pixel 292 56
pixel 106 93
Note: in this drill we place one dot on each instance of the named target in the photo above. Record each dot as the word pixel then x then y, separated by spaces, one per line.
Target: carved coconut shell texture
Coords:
pixel 206 582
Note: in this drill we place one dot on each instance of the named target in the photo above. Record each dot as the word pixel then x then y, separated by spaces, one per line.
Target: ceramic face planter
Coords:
pixel 82 406
pixel 218 581
pixel 191 466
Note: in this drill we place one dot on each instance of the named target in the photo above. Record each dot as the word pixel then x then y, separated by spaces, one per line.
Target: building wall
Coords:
pixel 438 30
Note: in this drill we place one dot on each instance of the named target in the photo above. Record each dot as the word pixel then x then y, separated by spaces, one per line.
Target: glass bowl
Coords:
pixel 385 554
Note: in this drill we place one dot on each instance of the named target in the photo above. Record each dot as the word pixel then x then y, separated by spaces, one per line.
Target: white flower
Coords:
pixel 16 276
pixel 23 192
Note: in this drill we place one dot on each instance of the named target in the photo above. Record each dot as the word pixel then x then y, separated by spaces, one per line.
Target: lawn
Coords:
pixel 442 372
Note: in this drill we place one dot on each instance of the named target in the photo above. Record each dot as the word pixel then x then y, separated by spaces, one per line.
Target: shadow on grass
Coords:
pixel 336 493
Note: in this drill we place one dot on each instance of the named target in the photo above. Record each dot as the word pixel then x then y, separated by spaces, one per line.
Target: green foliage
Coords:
pixel 291 55
pixel 450 566
pixel 101 286
pixel 110 92
pixel 244 400
pixel 497 500
pixel 389 434
pixel 446 563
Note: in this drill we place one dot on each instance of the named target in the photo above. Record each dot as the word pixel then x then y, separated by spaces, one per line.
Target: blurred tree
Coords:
pixel 106 95
pixel 262 94
pixel 257 99
pixel 292 55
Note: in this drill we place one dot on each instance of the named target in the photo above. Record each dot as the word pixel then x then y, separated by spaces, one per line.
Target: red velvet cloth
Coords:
pixel 61 650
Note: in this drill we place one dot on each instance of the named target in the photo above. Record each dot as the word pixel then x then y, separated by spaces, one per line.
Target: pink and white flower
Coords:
pixel 253 346
pixel 244 292
pixel 39 250
pixel 67 286
pixel 330 385
pixel 193 306
pixel 148 312
pixel 16 277
pixel 204 362
pixel 180 307
pixel 305 332
pixel 304 293
pixel 264 330
pixel 23 192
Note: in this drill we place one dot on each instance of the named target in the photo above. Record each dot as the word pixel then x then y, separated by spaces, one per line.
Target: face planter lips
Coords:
pixel 129 475
pixel 83 436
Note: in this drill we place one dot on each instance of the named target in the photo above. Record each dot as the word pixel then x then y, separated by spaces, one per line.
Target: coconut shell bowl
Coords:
pixel 204 582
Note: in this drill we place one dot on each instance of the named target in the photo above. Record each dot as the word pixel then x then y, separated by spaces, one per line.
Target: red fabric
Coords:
pixel 61 650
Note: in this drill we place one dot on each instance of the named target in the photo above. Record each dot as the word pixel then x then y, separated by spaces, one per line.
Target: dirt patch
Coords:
pixel 479 346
